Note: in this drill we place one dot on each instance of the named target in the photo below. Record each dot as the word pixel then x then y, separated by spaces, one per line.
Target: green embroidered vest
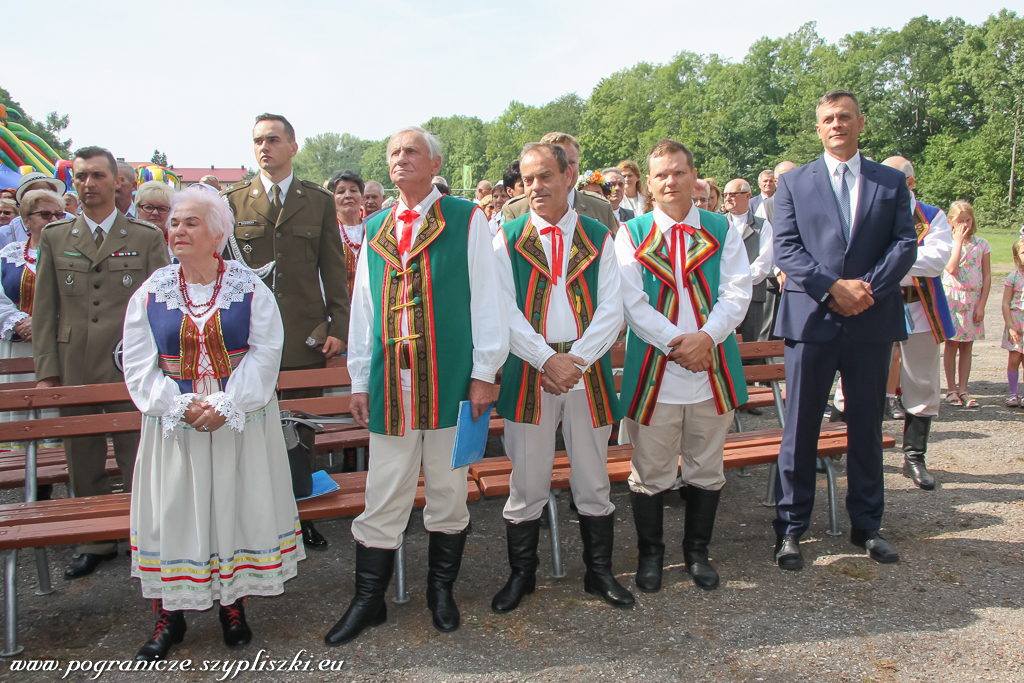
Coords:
pixel 519 397
pixel 434 286
pixel 645 365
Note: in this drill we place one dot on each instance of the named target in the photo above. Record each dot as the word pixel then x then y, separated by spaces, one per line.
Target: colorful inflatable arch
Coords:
pixel 157 172
pixel 22 150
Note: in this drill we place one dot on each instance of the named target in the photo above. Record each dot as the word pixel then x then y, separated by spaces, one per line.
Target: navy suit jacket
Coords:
pixel 811 251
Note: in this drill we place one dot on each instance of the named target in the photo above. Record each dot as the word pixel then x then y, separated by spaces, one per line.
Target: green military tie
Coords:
pixel 99 237
pixel 275 202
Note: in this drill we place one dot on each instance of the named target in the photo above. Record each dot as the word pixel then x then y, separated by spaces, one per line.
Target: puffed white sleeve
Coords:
pixel 153 393
pixel 607 321
pixel 252 384
pixel 10 315
pixel 486 303
pixel 360 325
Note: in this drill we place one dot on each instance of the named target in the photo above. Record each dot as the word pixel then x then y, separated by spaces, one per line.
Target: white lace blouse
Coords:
pixel 12 255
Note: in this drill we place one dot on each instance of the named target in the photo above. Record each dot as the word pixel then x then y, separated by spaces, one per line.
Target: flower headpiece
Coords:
pixel 594 178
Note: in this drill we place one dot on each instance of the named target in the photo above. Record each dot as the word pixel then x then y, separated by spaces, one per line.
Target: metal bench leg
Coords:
pixel 360 459
pixel 401 593
pixel 43 572
pixel 330 458
pixel 556 541
pixel 11 647
pixel 833 514
pixel 744 471
pixel 769 495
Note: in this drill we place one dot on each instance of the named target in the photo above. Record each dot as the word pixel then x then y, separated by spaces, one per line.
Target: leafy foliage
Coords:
pixel 49 129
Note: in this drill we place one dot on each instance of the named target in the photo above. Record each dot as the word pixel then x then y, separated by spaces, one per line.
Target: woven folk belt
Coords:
pixel 910 295
pixel 562 347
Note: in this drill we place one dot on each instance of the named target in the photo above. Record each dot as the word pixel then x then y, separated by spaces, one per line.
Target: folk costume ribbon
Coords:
pixel 556 251
pixel 405 241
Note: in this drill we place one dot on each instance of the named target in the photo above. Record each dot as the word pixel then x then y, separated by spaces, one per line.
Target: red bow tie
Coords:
pixel 676 242
pixel 556 251
pixel 405 241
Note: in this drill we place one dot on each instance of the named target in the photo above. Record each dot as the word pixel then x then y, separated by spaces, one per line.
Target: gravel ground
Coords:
pixel 951 610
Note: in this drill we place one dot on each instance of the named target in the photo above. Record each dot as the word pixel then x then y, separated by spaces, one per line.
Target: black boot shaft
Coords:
pixel 522 541
pixel 699 525
pixel 648 516
pixel 915 436
pixel 374 567
pixel 598 535
pixel 444 560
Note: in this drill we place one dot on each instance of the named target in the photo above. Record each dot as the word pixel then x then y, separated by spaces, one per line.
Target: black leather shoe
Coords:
pixel 894 409
pixel 86 564
pixel 522 542
pixel 374 567
pixel 598 536
pixel 879 549
pixel 236 629
pixel 836 415
pixel 444 558
pixel 311 538
pixel 787 553
pixel 917 472
pixel 170 630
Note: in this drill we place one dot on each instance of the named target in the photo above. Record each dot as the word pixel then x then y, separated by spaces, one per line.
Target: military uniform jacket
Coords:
pixel 82 292
pixel 305 246
pixel 587 204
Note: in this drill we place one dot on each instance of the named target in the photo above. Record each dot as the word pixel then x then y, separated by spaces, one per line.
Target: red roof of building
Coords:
pixel 192 175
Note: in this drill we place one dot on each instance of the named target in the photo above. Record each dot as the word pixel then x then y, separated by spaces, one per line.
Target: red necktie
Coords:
pixel 556 251
pixel 405 241
pixel 676 243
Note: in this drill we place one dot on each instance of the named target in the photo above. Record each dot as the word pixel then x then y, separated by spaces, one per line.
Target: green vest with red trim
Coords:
pixel 519 398
pixel 434 286
pixel 645 364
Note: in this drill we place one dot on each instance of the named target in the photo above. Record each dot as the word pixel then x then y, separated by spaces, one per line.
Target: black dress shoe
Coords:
pixel 311 538
pixel 879 549
pixel 754 411
pixel 894 409
pixel 170 630
pixel 787 553
pixel 918 473
pixel 86 564
pixel 236 629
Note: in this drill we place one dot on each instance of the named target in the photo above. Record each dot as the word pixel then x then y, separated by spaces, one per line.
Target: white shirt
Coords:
pixel 637 204
pixel 852 182
pixel 932 256
pixel 560 324
pixel 488 316
pixel 105 225
pixel 353 234
pixel 680 386
pixel 284 185
pixel 762 265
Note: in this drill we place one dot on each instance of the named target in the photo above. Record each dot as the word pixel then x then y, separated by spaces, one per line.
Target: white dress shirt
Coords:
pixel 932 256
pixel 852 182
pixel 680 386
pixel 105 225
pixel 488 316
pixel 560 324
pixel 765 261
pixel 284 185
pixel 637 204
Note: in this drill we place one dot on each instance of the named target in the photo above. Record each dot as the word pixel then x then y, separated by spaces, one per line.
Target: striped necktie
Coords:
pixel 843 196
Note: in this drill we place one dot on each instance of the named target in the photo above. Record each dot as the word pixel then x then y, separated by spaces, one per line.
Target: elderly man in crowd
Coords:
pixel 87 270
pixel 613 176
pixel 14 230
pixel 701 194
pixel 286 230
pixel 212 181
pixel 773 292
pixel 124 197
pixel 483 189
pixel 766 181
pixel 756 234
pixel 373 197
pixel 586 204
pixel 558 371
pixel 685 288
pixel 429 330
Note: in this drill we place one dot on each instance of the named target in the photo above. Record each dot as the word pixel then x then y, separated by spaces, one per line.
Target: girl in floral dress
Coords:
pixel 967 280
pixel 1013 317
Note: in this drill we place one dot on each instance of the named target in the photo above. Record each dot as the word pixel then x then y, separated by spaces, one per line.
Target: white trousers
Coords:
pixel 919 376
pixel 531 448
pixel 695 431
pixel 392 479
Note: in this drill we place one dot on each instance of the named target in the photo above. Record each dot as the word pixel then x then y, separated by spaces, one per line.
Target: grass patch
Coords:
pixel 1002 255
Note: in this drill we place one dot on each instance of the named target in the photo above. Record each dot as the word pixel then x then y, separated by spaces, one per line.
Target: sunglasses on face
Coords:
pixel 48 215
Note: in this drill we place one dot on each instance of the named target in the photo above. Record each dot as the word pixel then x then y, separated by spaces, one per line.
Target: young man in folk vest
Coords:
pixel 561 285
pixel 429 330
pixel 685 288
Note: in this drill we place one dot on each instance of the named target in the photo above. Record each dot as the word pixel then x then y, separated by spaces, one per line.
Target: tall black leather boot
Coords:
pixel 701 508
pixel 374 567
pixel 170 630
pixel 522 558
pixel 444 560
pixel 598 540
pixel 648 515
pixel 915 445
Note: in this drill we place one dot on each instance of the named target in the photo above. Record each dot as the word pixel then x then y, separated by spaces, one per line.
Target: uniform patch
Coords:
pixel 122 253
pixel 70 280
pixel 126 280
pixel 242 224
pixel 71 253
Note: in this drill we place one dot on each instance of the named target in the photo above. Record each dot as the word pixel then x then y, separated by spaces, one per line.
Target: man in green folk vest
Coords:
pixel 560 283
pixel 428 330
pixel 685 288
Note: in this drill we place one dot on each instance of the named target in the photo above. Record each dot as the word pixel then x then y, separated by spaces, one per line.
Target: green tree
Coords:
pixel 49 130
pixel 158 158
pixel 323 154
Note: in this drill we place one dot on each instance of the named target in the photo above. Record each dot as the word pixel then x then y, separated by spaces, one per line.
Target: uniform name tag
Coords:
pixel 71 253
pixel 125 253
pixel 242 224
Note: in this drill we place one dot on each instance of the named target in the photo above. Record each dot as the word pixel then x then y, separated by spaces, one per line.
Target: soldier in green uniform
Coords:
pixel 286 230
pixel 89 267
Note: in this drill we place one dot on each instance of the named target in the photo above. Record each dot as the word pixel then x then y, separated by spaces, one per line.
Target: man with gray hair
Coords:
pixel 429 331
pixel 766 181
pixel 773 294
pixel 701 194
pixel 373 197
pixel 124 193
pixel 756 234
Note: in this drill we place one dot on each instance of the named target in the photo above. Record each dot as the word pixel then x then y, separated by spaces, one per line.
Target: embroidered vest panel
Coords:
pixel 929 290
pixel 19 284
pixel 178 341
pixel 519 396
pixel 434 289
pixel 645 365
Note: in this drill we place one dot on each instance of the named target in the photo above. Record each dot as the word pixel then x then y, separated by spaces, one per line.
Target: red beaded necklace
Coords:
pixel 28 259
pixel 200 311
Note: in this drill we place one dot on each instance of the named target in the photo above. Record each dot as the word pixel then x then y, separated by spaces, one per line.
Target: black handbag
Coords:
pixel 294 422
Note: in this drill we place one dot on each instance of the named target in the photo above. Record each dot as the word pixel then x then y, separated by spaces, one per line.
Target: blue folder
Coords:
pixel 470 437
pixel 322 483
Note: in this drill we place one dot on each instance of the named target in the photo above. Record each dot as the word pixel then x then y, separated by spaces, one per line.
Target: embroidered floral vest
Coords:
pixel 17 279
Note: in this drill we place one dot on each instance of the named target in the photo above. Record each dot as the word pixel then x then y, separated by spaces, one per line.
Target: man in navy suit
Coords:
pixel 844 237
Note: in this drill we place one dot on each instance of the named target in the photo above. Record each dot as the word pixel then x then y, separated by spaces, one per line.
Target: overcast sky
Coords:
pixel 188 77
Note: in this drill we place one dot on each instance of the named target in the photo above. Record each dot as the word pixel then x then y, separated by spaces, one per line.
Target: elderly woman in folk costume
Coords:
pixel 212 514
pixel 347 187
